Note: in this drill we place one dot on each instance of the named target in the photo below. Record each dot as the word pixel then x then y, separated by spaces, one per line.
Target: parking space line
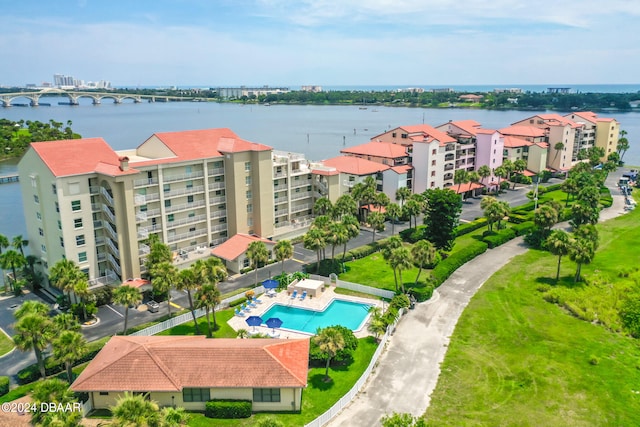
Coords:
pixel 114 310
pixel 297 260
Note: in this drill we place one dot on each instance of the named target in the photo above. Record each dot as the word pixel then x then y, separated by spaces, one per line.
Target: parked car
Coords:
pixel 153 307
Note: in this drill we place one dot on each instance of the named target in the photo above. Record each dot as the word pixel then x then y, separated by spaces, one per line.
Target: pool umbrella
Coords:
pixel 254 321
pixel 273 323
pixel 270 284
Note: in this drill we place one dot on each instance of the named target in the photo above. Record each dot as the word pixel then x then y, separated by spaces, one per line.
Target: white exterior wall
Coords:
pixel 423 158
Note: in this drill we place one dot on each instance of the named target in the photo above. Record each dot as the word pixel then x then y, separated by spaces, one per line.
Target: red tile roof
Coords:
pixel 325 172
pixel 429 133
pixel 80 156
pixel 171 363
pixel 387 150
pixel 401 169
pixel 355 165
pixel 136 283
pixel 470 127
pixel 513 142
pixel 468 186
pixel 236 246
pixel 526 131
pixel 486 131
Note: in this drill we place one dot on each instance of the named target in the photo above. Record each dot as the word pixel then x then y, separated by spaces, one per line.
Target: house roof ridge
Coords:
pixel 303 381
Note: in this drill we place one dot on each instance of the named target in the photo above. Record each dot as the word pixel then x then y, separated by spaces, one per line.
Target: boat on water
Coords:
pixel 362 108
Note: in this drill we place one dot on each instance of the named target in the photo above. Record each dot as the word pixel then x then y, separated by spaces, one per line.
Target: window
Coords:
pixel 39 216
pixel 104 393
pixel 77 223
pixel 433 173
pixel 192 229
pixel 192 214
pixel 59 225
pixel 187 170
pixel 245 263
pixel 189 184
pixel 393 135
pixel 143 208
pixel 247 166
pixel 434 152
pixel 433 162
pixel 247 180
pixel 433 184
pixel 82 257
pixel 248 194
pixel 217 178
pixel 62 242
pixel 190 198
pixel 41 231
pixel 404 136
pixel 196 394
pixel 80 240
pixel 249 208
pixel 43 248
pixel 249 222
pixel 57 207
pixel 266 395
pixel 167 203
pixel 167 187
pixel 75 205
pixel 170 218
pixel 36 199
pixel 54 189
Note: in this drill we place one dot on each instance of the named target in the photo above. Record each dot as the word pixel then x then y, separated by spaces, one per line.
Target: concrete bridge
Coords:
pixel 97 97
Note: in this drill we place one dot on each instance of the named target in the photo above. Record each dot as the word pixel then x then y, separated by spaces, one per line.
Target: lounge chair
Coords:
pixel 271 293
pixel 294 294
pixel 252 304
pixel 239 313
pixel 256 300
pixel 274 334
pixel 303 296
pixel 245 307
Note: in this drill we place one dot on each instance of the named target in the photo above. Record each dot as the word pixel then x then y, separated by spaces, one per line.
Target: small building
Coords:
pixel 233 252
pixel 188 371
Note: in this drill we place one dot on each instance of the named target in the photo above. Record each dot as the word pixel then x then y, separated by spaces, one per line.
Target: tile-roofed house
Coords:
pixel 189 370
pixel 381 152
pixel 233 251
pixel 355 165
pixel 513 142
pixel 524 131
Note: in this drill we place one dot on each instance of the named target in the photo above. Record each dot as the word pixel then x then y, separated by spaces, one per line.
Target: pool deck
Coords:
pixel 283 298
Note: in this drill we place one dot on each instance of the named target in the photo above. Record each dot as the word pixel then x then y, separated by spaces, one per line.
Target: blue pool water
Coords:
pixel 339 312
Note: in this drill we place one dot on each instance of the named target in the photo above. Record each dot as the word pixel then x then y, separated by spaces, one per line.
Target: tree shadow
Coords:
pixel 318 382
pixel 564 281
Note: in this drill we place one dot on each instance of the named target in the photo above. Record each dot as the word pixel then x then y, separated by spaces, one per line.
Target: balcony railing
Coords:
pixel 184 191
pixel 281 212
pixel 114 264
pixel 188 235
pixel 100 240
pixel 108 197
pixel 145 182
pixel 112 232
pixel 301 195
pixel 144 250
pixel 280 200
pixel 218 213
pixel 143 233
pixel 97 224
pixel 94 189
pixel 141 216
pixel 448 167
pixel 300 183
pixel 321 186
pixel 218 227
pixel 217 185
pixel 277 175
pixel 184 221
pixel 108 212
pixel 183 177
pixel 348 183
pixel 185 206
pixel 113 248
pixel 102 256
pixel 217 200
pixel 95 207
pixel 302 207
pixel 215 171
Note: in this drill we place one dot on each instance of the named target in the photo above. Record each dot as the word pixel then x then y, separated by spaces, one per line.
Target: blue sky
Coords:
pixel 322 42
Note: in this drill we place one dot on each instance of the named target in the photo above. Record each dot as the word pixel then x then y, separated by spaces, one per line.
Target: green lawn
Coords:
pixel 515 359
pixel 317 398
pixel 6 344
pixel 223 331
pixel 374 271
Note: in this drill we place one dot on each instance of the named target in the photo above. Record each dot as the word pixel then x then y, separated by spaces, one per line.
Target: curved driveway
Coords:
pixel 408 370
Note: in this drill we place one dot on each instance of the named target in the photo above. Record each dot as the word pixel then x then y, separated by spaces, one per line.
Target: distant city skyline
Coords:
pixel 322 42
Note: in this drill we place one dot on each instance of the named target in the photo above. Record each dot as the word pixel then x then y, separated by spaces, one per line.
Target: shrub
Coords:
pixel 463 229
pixel 446 267
pixel 246 270
pixel 227 408
pixel 519 218
pixel 412 235
pixel 350 344
pixel 593 360
pixel 499 238
pixel 524 228
pixel 400 301
pixel 103 296
pixel 269 422
pixel 630 314
pixel 423 293
pixel 4 385
pixel 238 302
pixel 365 250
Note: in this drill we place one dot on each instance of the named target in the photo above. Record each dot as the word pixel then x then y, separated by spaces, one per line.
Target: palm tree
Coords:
pixel 423 253
pixel 314 241
pixel 559 243
pixel 508 167
pixel 257 253
pixel 402 194
pixel 485 172
pixel 126 296
pixel 623 144
pixel 413 207
pixel 34 331
pixel 136 410
pixel 377 325
pixel 559 146
pixel 4 243
pixel 376 221
pixel 64 275
pixel 345 205
pixel 518 167
pixel 381 200
pixel 545 217
pixel 337 235
pixel 188 280
pixel 501 172
pixel 31 307
pixel 394 211
pixel 581 252
pixel 19 243
pixel 323 206
pixel 66 322
pixel 54 390
pixel 68 348
pixel 461 176
pixel 569 186
pixel 329 341
pixel 207 297
pixel 163 276
pixel 393 242
pixel 400 260
pixel 352 226
pixel 81 289
pixel 283 250
pixel 13 260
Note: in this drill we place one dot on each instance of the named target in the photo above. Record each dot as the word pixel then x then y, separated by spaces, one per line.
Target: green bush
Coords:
pixel 400 301
pixel 422 293
pixel 630 314
pixel 524 228
pixel 4 385
pixel 238 302
pixel 350 344
pixel 463 229
pixel 246 270
pixel 364 251
pixel 519 218
pixel 103 296
pixel 412 235
pixel 446 267
pixel 227 408
pixel 606 201
pixel 499 238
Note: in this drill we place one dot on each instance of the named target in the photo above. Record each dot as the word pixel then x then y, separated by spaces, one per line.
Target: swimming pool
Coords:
pixel 339 312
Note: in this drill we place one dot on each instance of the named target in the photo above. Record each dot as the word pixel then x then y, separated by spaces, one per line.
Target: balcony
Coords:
pixel 145 182
pixel 107 211
pixel 113 233
pixel 449 157
pixel 280 200
pixel 184 191
pixel 114 263
pixel 102 256
pixel 302 207
pixel 281 212
pixel 217 200
pixel 95 207
pixel 94 189
pixel 301 183
pixel 321 186
pixel 143 233
pixel 219 227
pixel 450 147
pixel 218 213
pixel 113 248
pixel 448 167
pixel 301 195
pixel 108 197
pixel 100 240
pixel 141 216
pixel 217 185
pixel 185 206
pixel 144 250
pixel 189 235
pixel 185 221
pixel 215 171
pixel 97 224
pixel 349 184
pixel 143 199
pixel 183 177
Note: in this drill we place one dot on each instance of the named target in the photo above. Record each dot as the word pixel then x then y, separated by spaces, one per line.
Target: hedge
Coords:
pixel 524 228
pixel 422 293
pixel 4 385
pixel 498 238
pixel 463 229
pixel 412 235
pixel 446 267
pixel 52 367
pixel 519 218
pixel 227 408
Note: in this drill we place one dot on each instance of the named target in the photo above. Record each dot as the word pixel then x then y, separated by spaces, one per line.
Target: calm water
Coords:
pixel 339 312
pixel 319 132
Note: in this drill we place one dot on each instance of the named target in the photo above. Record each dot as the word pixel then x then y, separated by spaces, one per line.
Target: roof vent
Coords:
pixel 124 163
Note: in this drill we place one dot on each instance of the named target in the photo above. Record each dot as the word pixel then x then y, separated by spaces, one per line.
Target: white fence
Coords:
pixel 186 317
pixel 351 394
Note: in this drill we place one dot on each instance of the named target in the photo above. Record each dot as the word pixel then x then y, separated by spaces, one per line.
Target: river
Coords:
pixel 319 132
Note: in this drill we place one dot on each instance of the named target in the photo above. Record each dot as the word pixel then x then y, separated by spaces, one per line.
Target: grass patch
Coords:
pixel 316 398
pixel 374 271
pixel 514 356
pixel 6 344
pixel 223 330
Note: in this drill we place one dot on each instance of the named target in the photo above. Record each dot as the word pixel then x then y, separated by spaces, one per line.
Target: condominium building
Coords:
pixel 88 203
pixel 598 131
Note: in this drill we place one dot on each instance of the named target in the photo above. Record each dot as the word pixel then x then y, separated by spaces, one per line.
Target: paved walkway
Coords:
pixel 408 370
